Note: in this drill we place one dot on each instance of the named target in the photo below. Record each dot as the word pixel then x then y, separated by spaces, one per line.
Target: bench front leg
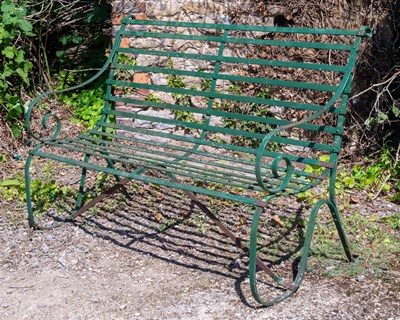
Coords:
pixel 31 217
pixel 304 255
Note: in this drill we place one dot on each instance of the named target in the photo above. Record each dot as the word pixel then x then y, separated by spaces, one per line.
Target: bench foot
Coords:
pixel 304 256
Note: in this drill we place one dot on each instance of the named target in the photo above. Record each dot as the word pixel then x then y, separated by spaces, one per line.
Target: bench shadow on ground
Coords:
pixel 164 224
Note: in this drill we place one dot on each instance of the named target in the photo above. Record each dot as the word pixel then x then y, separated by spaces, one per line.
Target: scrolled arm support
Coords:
pixel 45 124
pixel 57 126
pixel 274 166
pixel 289 167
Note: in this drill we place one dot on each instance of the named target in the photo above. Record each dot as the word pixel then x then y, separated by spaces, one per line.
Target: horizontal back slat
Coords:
pixel 218 113
pixel 213 58
pixel 234 132
pixel 228 77
pixel 216 95
pixel 297 44
pixel 365 31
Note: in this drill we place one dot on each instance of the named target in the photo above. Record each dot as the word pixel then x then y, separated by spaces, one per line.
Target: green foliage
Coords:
pixel 254 109
pixel 381 176
pixel 314 169
pixel 152 98
pixel 86 104
pixel 61 29
pixel 80 44
pixel 175 81
pixel 125 75
pixel 14 67
pixel 393 221
pixel 43 192
pixel 373 239
pixel 382 117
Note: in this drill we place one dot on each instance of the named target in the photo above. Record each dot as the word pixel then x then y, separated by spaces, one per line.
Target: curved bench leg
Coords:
pixel 237 240
pixel 31 218
pixel 336 218
pixel 339 228
pixel 304 256
pixel 253 266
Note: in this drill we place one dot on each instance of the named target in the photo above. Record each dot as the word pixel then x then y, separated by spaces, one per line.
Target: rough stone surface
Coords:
pixel 163 8
pixel 202 7
pixel 159 79
pixel 182 10
pixel 164 114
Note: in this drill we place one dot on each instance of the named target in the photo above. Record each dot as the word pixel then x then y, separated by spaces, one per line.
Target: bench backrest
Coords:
pixel 227 86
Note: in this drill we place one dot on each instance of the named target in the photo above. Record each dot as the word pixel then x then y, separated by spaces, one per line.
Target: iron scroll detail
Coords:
pixel 274 166
pixel 57 126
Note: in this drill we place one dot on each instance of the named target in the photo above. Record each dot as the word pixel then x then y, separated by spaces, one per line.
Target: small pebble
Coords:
pixel 237 264
pixel 360 277
pixel 45 248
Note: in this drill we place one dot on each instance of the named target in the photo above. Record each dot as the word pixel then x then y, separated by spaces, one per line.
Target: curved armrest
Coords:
pixel 57 127
pixel 266 140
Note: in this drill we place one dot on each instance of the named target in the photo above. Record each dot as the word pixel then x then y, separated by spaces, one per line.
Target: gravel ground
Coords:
pixel 142 259
pixel 146 258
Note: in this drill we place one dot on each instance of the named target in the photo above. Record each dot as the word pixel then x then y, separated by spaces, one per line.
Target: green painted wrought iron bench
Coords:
pixel 245 109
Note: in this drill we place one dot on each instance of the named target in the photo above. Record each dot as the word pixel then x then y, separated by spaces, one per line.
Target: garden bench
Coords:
pixel 231 111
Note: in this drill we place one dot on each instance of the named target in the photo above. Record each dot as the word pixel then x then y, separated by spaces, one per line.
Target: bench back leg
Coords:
pixel 79 199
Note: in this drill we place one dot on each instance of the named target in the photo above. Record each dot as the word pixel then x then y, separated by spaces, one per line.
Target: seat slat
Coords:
pixel 225 178
pixel 151 161
pixel 213 156
pixel 245 150
pixel 209 159
pixel 148 179
pixel 156 164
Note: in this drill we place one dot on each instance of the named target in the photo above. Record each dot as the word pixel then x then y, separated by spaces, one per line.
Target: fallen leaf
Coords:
pixel 354 199
pixel 242 221
pixel 278 220
pixel 158 217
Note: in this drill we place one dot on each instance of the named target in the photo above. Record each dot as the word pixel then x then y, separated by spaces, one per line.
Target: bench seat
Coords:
pixel 199 168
